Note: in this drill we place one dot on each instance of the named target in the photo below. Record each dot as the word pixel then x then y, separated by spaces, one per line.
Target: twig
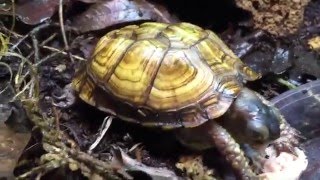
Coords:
pixel 23 90
pixel 36 29
pixel 36 48
pixel 44 42
pixel 13 14
pixel 60 153
pixel 63 32
pixel 31 89
pixel 62 25
pixel 39 169
pixel 32 71
pixel 8 31
pixel 47 58
pixel 104 128
pixel 53 145
pixel 63 52
pixel 159 13
pixel 101 167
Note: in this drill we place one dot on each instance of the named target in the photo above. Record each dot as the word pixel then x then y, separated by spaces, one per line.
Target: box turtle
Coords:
pixel 182 77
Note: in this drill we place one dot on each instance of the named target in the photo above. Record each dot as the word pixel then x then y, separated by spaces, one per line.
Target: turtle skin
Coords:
pixel 181 77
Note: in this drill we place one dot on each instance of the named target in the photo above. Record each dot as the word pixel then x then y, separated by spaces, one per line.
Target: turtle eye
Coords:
pixel 256 136
pixel 257 131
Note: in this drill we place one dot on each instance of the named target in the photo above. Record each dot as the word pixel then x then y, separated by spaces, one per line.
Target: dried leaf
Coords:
pixel 111 12
pixel 12 145
pixel 36 11
pixel 126 164
pixel 13 135
pixel 12 142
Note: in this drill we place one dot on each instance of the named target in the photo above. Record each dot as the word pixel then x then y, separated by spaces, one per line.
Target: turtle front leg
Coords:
pixel 214 134
pixel 289 138
pixel 231 150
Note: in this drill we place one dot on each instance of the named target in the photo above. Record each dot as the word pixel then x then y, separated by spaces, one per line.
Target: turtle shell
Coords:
pixel 166 75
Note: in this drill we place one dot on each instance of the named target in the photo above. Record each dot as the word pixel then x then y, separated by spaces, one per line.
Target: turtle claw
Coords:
pixel 64 98
pixel 288 140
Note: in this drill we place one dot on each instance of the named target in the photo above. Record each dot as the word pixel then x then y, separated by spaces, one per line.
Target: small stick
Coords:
pixel 48 39
pixel 104 128
pixel 40 169
pixel 36 48
pixel 63 30
pixel 36 29
pixel 4 29
pixel 63 52
pixel 46 58
pixel 43 43
pixel 62 25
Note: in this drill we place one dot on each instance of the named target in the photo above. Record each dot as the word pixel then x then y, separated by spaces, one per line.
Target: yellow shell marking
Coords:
pixel 106 59
pixel 149 30
pixel 182 79
pixel 135 72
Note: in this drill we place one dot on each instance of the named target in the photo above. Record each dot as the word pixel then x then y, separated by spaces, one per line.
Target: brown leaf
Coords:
pixel 127 164
pixel 112 12
pixel 36 11
pixel 14 136
pixel 12 145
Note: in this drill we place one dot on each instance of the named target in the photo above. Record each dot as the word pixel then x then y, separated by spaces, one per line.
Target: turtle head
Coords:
pixel 251 119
